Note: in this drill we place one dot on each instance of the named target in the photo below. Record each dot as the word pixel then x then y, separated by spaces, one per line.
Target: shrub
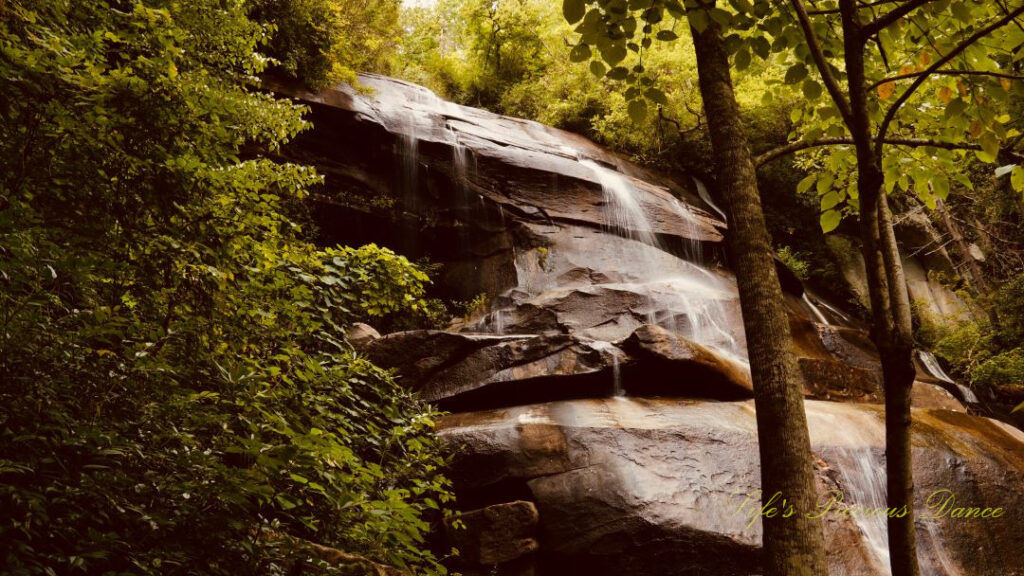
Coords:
pixel 177 396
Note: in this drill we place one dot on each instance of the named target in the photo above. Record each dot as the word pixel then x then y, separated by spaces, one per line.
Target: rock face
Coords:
pixel 658 486
pixel 496 535
pixel 601 413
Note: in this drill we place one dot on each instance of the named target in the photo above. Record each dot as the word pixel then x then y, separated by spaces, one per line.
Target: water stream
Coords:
pixel 683 296
pixel 701 294
pixel 934 368
pixel 702 191
pixel 815 310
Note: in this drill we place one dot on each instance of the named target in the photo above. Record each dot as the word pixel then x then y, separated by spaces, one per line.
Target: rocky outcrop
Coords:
pixel 501 538
pixel 361 335
pixel 647 486
pixel 472 370
pixel 666 364
pixel 601 415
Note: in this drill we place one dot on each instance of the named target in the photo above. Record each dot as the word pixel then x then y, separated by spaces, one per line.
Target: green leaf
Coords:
pixel 955 107
pixel 656 96
pixel 761 47
pixel 597 68
pixel 806 183
pixel 579 53
pixel 961 11
pixel 830 221
pixel 825 183
pixel 666 35
pixel 698 19
pixel 637 110
pixel 796 73
pixel 990 144
pixel 573 10
pixel 618 73
pixel 720 16
pixel 925 196
pixel 940 186
pixel 831 200
pixel 811 89
pixel 742 60
pixel 1017 178
pixel 613 53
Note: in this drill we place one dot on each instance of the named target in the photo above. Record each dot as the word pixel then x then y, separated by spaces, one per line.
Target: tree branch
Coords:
pixel 945 73
pixel 846 140
pixel 891 17
pixel 819 61
pixel 891 113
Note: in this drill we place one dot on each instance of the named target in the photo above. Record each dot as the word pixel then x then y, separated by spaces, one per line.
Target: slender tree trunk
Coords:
pixel 890 306
pixel 967 259
pixel 793 545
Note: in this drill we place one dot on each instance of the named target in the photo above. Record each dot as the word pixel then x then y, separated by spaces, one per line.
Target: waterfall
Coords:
pixel 858 455
pixel 815 310
pixel 932 366
pixel 863 478
pixel 625 214
pixel 460 159
pixel 702 191
pixel 833 310
pixel 693 251
pixel 701 294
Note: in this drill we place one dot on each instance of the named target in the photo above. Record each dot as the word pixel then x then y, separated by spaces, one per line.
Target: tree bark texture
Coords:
pixel 890 304
pixel 793 545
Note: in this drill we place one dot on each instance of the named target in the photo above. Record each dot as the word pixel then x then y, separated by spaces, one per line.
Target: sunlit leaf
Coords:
pixel 830 220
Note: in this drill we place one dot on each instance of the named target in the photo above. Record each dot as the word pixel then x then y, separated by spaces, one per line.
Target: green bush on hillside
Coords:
pixel 177 396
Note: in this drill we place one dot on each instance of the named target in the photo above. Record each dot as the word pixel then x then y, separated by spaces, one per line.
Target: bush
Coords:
pixel 795 261
pixel 177 394
pixel 1004 370
pixel 1010 307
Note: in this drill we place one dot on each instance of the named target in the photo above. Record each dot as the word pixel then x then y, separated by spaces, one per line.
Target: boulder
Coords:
pixel 360 335
pixel 656 487
pixel 469 371
pixel 665 363
pixel 536 219
pixel 496 534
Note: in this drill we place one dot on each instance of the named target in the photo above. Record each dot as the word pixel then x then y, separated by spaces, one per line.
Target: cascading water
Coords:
pixel 859 458
pixel 833 310
pixel 701 294
pixel 931 364
pixel 625 214
pixel 702 191
pixel 815 310
pixel 460 162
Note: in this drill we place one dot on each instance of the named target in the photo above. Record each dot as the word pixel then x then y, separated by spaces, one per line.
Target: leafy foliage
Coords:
pixel 963 106
pixel 990 356
pixel 322 42
pixel 177 394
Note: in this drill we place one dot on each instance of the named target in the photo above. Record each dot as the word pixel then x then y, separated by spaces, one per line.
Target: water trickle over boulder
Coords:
pixel 603 278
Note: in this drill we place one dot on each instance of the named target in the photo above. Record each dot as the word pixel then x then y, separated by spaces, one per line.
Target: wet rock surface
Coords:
pixel 652 486
pixel 601 422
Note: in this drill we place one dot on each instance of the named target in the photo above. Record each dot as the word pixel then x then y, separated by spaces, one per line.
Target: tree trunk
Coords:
pixel 793 545
pixel 898 372
pixel 978 281
pixel 890 305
